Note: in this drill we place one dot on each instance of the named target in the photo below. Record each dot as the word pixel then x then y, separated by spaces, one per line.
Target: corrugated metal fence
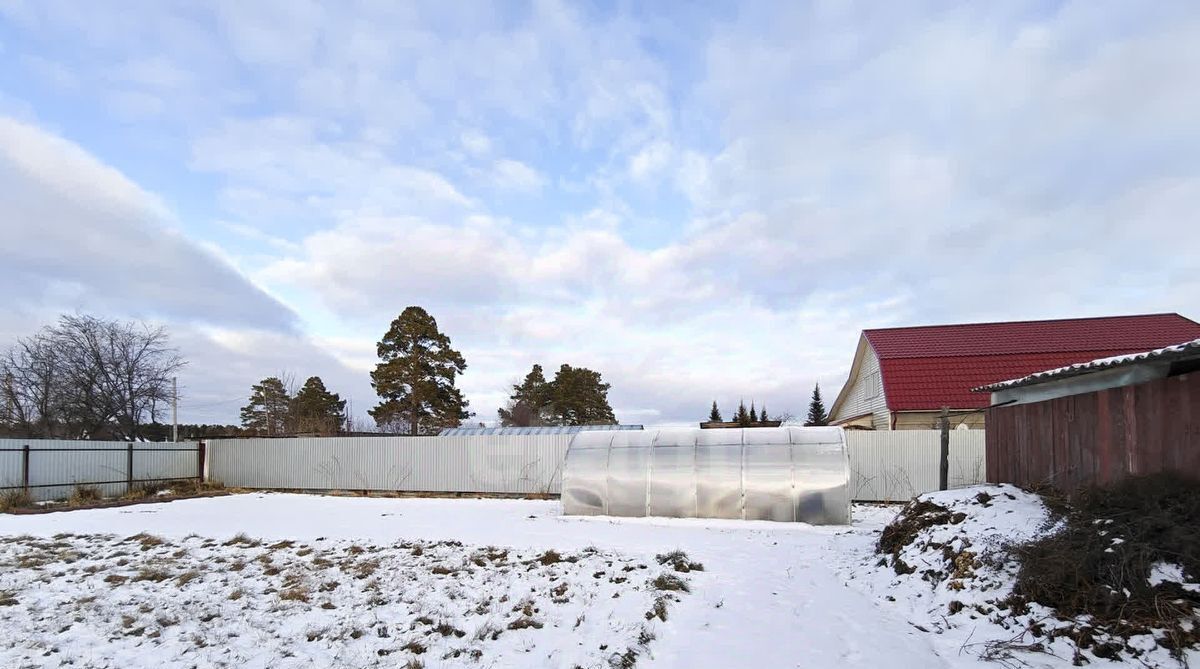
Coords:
pixel 895 465
pixel 52 468
pixel 486 464
pixel 885 466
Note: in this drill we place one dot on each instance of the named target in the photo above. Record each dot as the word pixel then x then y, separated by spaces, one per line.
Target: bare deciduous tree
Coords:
pixel 87 377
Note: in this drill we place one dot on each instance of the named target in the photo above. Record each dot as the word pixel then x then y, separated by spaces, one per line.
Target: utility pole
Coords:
pixel 944 454
pixel 174 409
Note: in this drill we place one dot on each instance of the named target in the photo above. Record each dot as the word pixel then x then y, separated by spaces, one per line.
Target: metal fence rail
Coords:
pixel 885 466
pixel 895 465
pixel 50 469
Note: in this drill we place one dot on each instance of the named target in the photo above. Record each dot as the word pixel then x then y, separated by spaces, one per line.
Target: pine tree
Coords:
pixel 816 409
pixel 753 413
pixel 762 414
pixel 267 412
pixel 415 378
pixel 579 397
pixel 743 416
pixel 714 416
pixel 529 404
pixel 315 409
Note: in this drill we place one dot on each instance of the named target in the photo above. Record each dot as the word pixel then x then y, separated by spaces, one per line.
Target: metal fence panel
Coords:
pixel 885 465
pixel 895 465
pixel 56 466
pixel 485 464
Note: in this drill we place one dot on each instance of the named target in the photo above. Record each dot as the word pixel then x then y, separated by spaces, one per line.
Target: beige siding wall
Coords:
pixel 866 393
pixel 927 420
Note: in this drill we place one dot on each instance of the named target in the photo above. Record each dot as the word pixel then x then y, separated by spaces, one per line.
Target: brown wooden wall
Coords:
pixel 1100 437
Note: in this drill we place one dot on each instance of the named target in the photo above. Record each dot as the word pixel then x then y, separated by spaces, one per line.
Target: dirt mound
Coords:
pixel 1125 563
pixel 1111 574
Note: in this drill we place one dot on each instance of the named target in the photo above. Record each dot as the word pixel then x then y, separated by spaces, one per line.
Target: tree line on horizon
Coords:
pixel 91 378
pixel 816 412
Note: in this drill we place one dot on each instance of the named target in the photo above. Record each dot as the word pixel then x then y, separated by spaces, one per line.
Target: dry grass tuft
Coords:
pixel 678 560
pixel 296 593
pixel 84 494
pixel 154 574
pixel 669 582
pixel 15 499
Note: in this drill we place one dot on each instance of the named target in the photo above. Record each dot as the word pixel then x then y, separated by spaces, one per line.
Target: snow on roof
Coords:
pixel 1185 349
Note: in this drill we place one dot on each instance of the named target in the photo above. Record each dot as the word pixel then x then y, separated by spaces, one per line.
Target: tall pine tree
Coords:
pixel 714 416
pixel 579 397
pixel 315 409
pixel 816 409
pixel 762 414
pixel 415 378
pixel 268 410
pixel 529 405
pixel 753 413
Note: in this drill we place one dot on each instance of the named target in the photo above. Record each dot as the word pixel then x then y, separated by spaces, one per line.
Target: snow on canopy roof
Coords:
pixel 539 430
pixel 1187 349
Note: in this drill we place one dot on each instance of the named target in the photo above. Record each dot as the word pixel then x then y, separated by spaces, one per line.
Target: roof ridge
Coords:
pixel 1022 322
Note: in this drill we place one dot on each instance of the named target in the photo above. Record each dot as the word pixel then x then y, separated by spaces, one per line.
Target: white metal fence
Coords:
pixel 885 466
pixel 51 468
pixel 485 464
pixel 895 465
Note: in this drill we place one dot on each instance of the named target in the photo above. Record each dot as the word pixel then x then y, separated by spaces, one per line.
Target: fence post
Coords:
pixel 129 466
pixel 944 452
pixel 200 460
pixel 25 468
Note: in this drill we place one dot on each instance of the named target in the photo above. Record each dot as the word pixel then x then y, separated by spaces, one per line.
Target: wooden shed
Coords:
pixel 1098 422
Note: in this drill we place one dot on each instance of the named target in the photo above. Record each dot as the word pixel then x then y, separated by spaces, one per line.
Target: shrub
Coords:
pixel 15 499
pixel 1099 564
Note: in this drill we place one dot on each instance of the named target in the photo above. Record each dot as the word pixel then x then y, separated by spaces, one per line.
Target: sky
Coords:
pixel 702 201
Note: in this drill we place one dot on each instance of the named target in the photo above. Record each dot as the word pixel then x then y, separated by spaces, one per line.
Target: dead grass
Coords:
pixel 8 598
pixel 15 499
pixel 679 561
pixel 155 574
pixel 187 577
pixel 241 539
pixel 296 593
pixel 82 495
pixel 669 582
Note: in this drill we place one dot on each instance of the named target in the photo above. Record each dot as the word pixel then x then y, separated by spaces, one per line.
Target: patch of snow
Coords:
pixel 769 595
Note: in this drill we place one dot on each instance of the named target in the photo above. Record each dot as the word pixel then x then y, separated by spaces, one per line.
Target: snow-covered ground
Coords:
pixel 770 595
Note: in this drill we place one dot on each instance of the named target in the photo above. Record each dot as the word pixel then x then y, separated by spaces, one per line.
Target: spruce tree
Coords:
pixel 714 416
pixel 762 414
pixel 743 416
pixel 268 410
pixel 415 377
pixel 315 409
pixel 753 413
pixel 816 409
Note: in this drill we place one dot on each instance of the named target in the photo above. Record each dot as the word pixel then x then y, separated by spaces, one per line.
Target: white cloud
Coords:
pixel 79 231
pixel 475 142
pixel 508 174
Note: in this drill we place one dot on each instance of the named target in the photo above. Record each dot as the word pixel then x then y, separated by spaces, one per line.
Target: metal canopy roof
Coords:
pixel 1184 351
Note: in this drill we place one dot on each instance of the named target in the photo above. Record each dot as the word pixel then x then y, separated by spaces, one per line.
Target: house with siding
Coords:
pixel 901 378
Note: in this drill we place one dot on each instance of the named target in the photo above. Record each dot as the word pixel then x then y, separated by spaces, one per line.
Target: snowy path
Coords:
pixel 769 596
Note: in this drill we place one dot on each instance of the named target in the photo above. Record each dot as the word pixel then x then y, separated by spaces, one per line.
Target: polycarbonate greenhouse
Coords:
pixel 786 474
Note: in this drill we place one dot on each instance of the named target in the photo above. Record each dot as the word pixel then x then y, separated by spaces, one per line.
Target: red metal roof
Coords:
pixel 929 367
